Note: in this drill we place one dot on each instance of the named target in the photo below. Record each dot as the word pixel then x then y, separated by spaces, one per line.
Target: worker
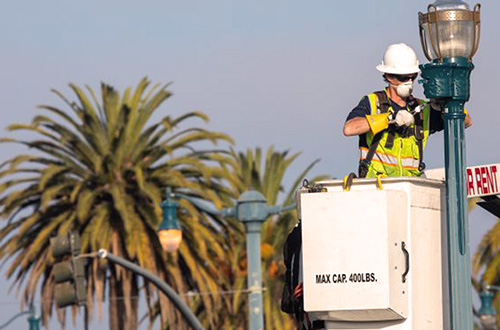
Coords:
pixel 393 126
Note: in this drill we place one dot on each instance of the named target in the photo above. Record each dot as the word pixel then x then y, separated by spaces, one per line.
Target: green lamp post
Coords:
pixel 33 319
pixel 251 209
pixel 487 314
pixel 169 232
pixel 449 33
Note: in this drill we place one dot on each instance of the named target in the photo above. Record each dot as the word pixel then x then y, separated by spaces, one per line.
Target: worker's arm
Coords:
pixel 356 126
pixel 436 119
pixel 356 122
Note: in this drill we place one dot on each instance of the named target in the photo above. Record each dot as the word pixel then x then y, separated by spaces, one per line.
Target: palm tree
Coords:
pixel 101 169
pixel 486 261
pixel 242 172
pixel 252 171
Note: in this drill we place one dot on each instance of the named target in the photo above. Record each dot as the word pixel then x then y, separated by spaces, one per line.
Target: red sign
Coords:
pixel 483 180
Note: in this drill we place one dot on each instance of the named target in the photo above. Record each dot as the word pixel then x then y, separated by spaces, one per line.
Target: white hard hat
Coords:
pixel 399 59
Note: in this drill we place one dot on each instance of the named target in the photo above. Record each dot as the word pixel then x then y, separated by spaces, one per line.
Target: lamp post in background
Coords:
pixel 170 233
pixel 487 314
pixel 33 319
pixel 251 209
pixel 449 33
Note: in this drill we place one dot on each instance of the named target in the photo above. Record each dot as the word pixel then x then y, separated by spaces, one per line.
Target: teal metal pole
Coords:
pixel 3 326
pixel 251 209
pixel 254 275
pixel 33 320
pixel 457 217
pixel 487 314
pixel 449 83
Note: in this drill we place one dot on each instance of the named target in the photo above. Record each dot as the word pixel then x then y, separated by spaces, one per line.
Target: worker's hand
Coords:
pixel 436 105
pixel 378 122
pixel 403 118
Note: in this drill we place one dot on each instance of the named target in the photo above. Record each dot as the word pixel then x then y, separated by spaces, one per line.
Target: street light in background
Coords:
pixel 251 209
pixel 449 33
pixel 170 233
pixel 487 314
pixel 33 319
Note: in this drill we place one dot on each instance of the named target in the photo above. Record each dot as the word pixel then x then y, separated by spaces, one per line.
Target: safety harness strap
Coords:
pixel 364 164
pixel 419 136
pixel 383 106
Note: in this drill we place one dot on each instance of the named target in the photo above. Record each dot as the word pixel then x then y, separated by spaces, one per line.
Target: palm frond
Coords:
pixel 101 169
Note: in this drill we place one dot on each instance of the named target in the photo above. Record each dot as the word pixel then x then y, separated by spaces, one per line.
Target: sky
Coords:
pixel 269 73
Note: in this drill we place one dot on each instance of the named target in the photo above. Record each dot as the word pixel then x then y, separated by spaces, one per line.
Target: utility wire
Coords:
pixel 209 293
pixel 3 326
pixel 189 294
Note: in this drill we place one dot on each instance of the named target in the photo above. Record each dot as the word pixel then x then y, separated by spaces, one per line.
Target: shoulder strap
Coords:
pixel 419 136
pixel 419 120
pixel 383 106
pixel 383 103
pixel 364 164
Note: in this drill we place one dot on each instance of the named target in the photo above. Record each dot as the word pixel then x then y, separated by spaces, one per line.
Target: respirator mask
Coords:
pixel 404 89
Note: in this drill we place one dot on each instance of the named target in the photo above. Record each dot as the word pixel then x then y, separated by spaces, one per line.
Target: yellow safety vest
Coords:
pixel 403 158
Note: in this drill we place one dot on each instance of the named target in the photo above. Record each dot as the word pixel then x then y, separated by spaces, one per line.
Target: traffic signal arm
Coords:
pixel 164 287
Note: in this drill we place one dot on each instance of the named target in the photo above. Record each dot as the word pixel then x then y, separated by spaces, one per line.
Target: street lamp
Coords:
pixel 251 209
pixel 169 232
pixel 487 314
pixel 449 29
pixel 449 33
pixel 33 319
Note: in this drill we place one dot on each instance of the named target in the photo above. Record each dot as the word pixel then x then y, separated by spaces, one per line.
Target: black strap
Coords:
pixel 383 106
pixel 364 164
pixel 419 136
pixel 383 103
pixel 391 133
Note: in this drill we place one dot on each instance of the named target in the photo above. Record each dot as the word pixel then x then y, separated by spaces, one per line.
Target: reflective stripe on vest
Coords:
pixel 403 158
pixel 406 162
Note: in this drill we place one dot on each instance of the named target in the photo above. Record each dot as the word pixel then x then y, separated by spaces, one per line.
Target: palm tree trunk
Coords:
pixel 164 311
pixel 116 305
pixel 132 318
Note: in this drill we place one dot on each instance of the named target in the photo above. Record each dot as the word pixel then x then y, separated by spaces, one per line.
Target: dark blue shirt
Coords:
pixel 363 109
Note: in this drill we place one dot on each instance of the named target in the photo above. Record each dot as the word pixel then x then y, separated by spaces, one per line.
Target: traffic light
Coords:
pixel 69 270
